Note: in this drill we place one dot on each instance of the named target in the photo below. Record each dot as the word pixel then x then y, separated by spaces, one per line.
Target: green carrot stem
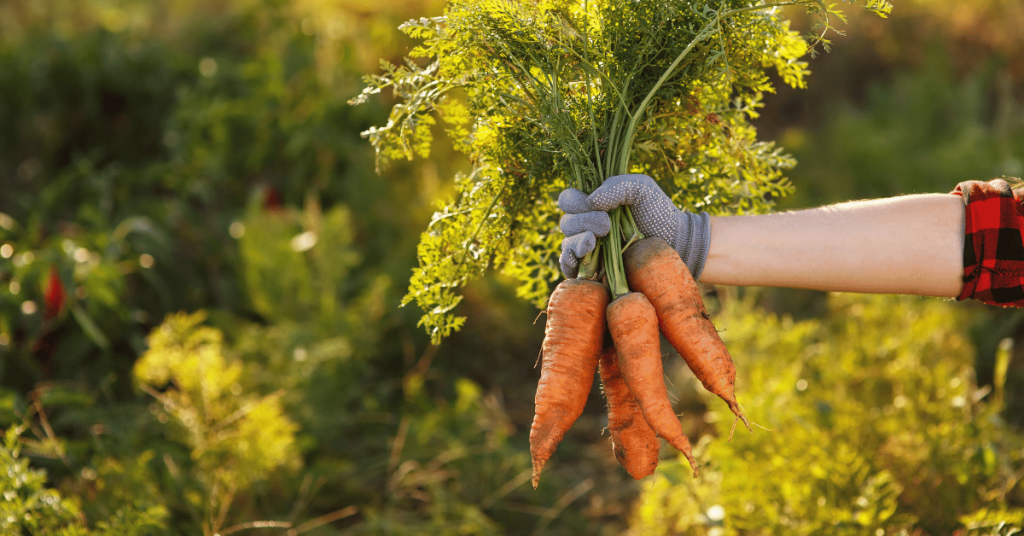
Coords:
pixel 612 137
pixel 614 268
pixel 593 132
pixel 591 264
pixel 619 139
pixel 706 32
pixel 627 142
pixel 629 228
pixel 730 13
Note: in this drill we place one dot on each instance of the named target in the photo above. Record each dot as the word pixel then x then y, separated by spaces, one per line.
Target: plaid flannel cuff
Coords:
pixel 993 245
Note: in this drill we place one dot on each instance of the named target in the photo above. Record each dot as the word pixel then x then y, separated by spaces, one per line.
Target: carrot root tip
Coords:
pixel 538 466
pixel 693 462
pixel 735 407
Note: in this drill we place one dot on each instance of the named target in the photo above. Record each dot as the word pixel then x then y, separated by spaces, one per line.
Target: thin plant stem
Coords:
pixel 591 264
pixel 631 128
pixel 630 228
pixel 613 257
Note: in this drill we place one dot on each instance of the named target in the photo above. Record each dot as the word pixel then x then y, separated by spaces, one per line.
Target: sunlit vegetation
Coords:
pixel 200 273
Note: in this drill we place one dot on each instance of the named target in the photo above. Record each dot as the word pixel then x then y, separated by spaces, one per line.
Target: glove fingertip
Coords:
pixel 618 190
pixel 580 244
pixel 572 201
pixel 605 197
pixel 569 263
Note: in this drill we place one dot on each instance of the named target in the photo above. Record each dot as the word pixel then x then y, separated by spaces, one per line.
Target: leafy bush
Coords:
pixel 234 441
pixel 438 447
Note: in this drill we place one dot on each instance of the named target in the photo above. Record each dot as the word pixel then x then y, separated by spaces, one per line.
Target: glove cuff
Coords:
pixel 692 240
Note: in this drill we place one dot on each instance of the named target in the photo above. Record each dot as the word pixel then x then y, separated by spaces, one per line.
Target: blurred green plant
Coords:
pixel 234 441
pixel 924 131
pixel 28 507
pixel 872 425
pixel 133 150
pixel 138 151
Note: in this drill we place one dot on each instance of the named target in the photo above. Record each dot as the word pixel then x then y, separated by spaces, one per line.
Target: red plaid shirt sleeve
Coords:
pixel 993 245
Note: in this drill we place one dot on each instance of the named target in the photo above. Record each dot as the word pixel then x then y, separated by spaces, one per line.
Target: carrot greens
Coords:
pixel 547 94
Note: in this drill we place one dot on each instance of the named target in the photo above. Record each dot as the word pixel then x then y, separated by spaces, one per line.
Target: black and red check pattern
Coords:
pixel 993 245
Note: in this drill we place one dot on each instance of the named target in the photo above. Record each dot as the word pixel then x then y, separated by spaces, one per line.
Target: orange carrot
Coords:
pixel 573 338
pixel 656 270
pixel 633 441
pixel 634 329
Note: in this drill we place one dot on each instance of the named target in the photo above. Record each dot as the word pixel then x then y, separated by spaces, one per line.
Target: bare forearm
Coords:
pixel 902 245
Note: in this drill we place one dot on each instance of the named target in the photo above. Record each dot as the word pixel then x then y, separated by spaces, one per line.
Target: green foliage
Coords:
pixel 136 150
pixel 121 496
pixel 298 267
pixel 87 112
pixel 28 507
pixel 955 128
pixel 148 139
pixel 561 94
pixel 873 423
pixel 234 440
pixel 437 446
pixel 132 152
pixel 446 457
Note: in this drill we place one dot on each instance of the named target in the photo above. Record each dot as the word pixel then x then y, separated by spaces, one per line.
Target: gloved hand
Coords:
pixel 586 219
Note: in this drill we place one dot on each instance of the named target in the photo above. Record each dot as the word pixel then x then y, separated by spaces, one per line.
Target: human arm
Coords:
pixel 907 245
pixel 902 245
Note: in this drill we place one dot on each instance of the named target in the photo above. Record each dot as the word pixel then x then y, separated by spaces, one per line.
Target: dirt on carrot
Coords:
pixel 634 443
pixel 656 270
pixel 573 339
pixel 634 329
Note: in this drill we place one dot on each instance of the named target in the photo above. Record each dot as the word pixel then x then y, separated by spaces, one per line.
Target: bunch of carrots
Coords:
pixel 665 300
pixel 632 287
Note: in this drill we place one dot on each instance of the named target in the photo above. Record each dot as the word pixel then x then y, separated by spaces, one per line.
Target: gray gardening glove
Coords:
pixel 581 226
pixel 586 219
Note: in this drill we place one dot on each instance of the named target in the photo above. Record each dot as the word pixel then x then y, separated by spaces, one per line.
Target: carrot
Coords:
pixel 573 338
pixel 633 441
pixel 656 270
pixel 634 329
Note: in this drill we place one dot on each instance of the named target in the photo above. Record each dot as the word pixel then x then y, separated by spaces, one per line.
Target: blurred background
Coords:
pixel 200 274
